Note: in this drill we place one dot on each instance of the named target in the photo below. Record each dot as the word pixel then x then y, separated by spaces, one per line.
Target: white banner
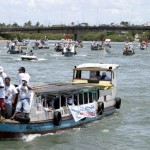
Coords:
pixel 82 111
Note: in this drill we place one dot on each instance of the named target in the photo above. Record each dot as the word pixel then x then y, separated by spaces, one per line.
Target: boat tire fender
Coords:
pixel 57 118
pixel 19 117
pixel 118 102
pixel 100 108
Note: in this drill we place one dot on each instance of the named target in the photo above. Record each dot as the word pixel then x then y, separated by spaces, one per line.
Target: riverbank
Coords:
pixel 115 37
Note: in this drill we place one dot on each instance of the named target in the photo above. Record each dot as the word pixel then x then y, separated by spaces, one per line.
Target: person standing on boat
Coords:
pixel 10 97
pixel 3 75
pixel 23 105
pixel 2 96
pixel 22 74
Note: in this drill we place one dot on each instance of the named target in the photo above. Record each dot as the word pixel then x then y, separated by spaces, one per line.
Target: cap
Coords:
pixel 1 69
pixel 21 69
pixel 24 79
pixel 104 74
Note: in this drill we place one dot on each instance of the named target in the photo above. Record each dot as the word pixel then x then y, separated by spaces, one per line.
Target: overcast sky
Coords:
pixel 93 12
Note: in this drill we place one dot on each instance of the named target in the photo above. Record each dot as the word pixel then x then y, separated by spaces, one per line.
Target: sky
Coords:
pixel 93 12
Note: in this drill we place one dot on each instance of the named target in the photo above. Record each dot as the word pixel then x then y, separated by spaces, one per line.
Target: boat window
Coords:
pixel 56 103
pixel 97 93
pixel 90 97
pixel 92 75
pixel 78 74
pixel 85 98
pixel 106 75
pixel 85 75
pixel 63 101
pixel 75 99
pixel 80 98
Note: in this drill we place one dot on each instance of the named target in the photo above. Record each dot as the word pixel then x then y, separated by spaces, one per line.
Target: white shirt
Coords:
pixel 2 89
pixel 23 92
pixel 23 75
pixel 3 75
pixel 9 92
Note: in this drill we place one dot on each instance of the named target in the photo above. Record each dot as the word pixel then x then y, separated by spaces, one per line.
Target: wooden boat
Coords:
pixel 55 107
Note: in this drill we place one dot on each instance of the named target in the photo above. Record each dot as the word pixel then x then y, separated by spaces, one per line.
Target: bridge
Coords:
pixel 76 30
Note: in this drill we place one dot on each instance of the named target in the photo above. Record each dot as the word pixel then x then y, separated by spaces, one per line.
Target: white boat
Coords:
pixel 143 45
pixel 128 49
pixel 41 44
pixel 107 45
pixel 69 48
pixel 29 56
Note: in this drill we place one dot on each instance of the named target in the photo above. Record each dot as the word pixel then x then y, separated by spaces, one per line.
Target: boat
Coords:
pixel 128 49
pixel 107 45
pixel 69 48
pixel 59 47
pixel 41 44
pixel 96 46
pixel 143 45
pixel 29 56
pixel 14 49
pixel 60 106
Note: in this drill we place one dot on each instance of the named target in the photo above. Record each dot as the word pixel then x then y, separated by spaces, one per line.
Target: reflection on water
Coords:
pixel 127 129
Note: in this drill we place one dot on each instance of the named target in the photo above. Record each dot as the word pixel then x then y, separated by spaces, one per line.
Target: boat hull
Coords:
pixel 69 54
pixel 24 57
pixel 16 130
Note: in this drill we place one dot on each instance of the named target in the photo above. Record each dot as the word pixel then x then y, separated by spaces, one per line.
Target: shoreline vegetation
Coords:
pixel 114 36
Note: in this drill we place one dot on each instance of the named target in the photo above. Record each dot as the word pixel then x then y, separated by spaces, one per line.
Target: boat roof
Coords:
pixel 64 88
pixel 96 66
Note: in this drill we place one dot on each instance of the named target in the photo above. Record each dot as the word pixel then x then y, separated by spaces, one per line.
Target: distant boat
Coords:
pixel 128 49
pixel 41 44
pixel 29 56
pixel 59 47
pixel 107 45
pixel 69 48
pixel 14 49
pixel 143 45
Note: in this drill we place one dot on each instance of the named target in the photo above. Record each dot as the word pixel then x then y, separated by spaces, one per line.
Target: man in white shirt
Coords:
pixel 2 96
pixel 10 97
pixel 2 73
pixel 23 105
pixel 22 74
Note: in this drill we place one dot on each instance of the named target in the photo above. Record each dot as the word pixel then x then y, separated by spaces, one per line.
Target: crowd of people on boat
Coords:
pixel 14 99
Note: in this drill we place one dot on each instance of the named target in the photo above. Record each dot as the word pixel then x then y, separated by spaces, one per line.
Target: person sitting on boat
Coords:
pixel 31 53
pixel 98 76
pixel 10 97
pixel 105 77
pixel 70 101
pixel 23 105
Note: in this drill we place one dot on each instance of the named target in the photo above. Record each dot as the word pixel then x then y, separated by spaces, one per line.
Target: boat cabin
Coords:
pixel 45 101
pixel 95 73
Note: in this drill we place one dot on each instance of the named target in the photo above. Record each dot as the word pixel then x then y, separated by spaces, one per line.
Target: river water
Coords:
pixel 127 129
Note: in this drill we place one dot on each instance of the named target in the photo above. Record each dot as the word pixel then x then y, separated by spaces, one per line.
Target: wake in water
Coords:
pixel 31 137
